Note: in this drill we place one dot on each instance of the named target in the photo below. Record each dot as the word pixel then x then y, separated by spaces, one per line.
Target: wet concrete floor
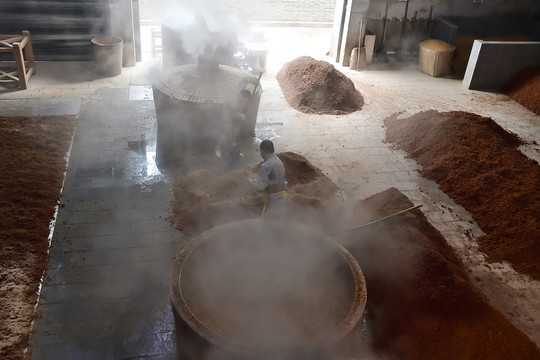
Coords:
pixel 105 294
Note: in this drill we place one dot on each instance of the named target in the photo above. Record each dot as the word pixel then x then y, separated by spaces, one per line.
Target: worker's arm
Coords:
pixel 263 178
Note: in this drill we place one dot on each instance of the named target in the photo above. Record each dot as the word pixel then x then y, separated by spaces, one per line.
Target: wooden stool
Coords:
pixel 16 44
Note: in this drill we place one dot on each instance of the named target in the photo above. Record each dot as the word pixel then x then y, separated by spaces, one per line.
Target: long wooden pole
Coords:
pixel 385 22
pixel 379 220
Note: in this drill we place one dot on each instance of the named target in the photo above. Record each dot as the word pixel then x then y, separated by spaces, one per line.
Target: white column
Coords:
pixel 121 18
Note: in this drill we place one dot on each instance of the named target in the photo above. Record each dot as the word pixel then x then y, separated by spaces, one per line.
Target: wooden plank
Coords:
pixel 29 72
pixel 11 75
pixel 29 52
pixel 10 38
pixel 362 63
pixel 369 44
pixel 6 44
pixel 22 43
pixel 19 62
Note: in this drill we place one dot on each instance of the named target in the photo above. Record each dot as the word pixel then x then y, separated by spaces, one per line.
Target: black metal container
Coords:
pixel 190 101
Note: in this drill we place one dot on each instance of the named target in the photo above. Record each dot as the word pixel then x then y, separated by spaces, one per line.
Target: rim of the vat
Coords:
pixel 347 325
pixel 107 40
pixel 186 83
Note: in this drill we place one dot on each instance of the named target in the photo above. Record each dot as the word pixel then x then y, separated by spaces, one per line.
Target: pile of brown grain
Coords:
pixel 203 199
pixel 525 88
pixel 32 153
pixel 478 164
pixel 313 86
pixel 308 185
pixel 421 303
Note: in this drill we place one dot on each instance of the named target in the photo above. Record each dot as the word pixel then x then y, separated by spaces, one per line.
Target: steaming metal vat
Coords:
pixel 189 101
pixel 260 288
pixel 175 52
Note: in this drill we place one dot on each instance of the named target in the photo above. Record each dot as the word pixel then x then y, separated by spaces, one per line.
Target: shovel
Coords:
pixel 362 62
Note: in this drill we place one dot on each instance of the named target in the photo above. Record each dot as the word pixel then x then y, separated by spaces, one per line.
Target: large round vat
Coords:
pixel 268 289
pixel 190 100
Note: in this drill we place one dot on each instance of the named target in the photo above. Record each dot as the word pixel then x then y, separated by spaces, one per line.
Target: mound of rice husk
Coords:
pixel 203 199
pixel 421 303
pixel 478 164
pixel 308 185
pixel 464 46
pixel 313 86
pixel 524 88
pixel 32 164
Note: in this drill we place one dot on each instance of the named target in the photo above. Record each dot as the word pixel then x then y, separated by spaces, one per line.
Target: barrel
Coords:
pixel 108 55
pixel 435 57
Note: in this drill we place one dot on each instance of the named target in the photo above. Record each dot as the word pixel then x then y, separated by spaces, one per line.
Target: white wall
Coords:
pixel 454 8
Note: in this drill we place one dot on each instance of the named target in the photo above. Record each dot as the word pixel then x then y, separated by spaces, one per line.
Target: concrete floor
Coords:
pixel 105 292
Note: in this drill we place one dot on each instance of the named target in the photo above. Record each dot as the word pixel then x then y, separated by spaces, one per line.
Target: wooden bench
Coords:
pixel 21 48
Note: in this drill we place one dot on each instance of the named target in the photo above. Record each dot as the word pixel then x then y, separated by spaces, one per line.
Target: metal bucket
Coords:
pixel 108 55
pixel 258 289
